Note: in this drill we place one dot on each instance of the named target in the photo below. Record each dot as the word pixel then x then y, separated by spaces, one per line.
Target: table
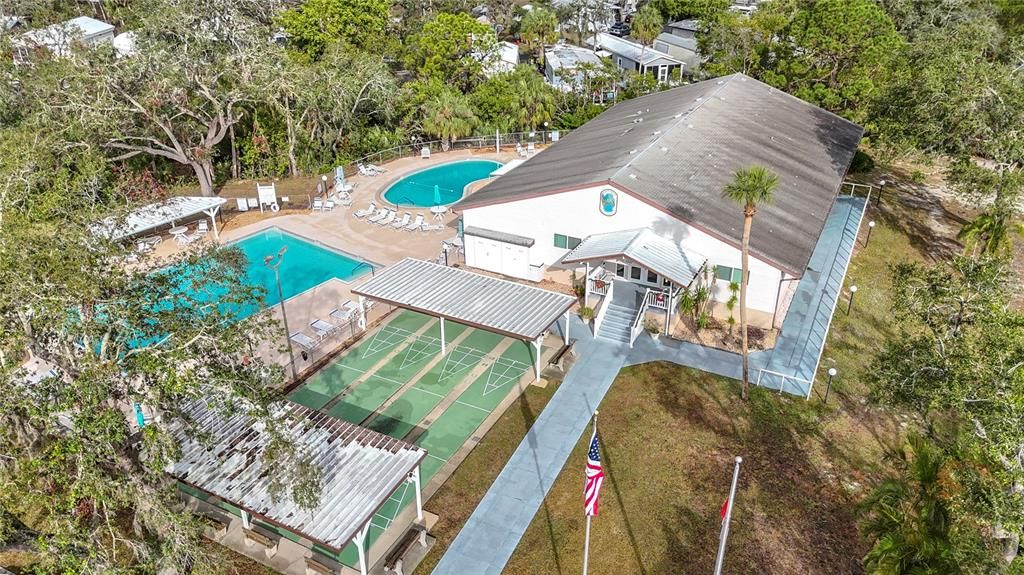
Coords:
pixel 178 230
pixel 439 212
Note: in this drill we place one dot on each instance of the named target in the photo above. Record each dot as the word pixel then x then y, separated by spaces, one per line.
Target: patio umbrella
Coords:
pixel 437 195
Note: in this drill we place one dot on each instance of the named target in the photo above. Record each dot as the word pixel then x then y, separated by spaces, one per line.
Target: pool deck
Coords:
pixel 340 230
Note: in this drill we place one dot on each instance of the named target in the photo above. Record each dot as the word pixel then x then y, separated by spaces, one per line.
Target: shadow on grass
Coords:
pixel 529 417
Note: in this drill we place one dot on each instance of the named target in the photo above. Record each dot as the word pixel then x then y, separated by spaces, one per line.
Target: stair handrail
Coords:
pixel 606 302
pixel 638 325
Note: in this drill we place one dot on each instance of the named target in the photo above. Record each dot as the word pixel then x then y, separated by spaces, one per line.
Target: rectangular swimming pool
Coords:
pixel 305 264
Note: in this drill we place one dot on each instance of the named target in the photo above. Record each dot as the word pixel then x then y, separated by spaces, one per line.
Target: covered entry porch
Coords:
pixel 651 272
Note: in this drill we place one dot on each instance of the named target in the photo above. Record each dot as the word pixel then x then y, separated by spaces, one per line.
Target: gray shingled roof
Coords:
pixel 644 247
pixel 361 468
pixel 679 148
pixel 506 307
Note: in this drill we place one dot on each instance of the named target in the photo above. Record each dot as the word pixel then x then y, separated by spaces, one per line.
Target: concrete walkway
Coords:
pixel 493 531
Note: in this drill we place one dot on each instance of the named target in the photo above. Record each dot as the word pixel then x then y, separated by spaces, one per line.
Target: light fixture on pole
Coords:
pixel 323 179
pixel 871 227
pixel 831 373
pixel 881 188
pixel 275 263
pixel 853 292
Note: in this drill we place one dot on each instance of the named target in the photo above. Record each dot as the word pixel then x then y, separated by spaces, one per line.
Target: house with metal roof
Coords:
pixel 659 163
pixel 683 49
pixel 59 39
pixel 563 65
pixel 629 55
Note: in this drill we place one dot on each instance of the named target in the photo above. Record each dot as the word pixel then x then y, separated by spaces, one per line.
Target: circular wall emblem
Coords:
pixel 609 202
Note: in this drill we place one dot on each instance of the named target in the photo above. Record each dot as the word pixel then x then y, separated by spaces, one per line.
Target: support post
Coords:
pixel 536 347
pixel 360 541
pixel 415 477
pixel 362 312
pixel 567 327
pixel 668 309
pixel 246 519
pixel 586 286
pixel 442 335
pixel 497 141
pixel 212 212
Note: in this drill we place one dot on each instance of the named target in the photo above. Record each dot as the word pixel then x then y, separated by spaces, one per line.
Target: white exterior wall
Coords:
pixel 576 214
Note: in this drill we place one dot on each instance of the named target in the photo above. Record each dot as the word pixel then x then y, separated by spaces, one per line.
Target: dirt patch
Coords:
pixel 717 334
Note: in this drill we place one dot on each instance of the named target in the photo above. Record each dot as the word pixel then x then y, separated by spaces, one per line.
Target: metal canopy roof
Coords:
pixel 361 468
pixel 489 303
pixel 155 215
pixel 644 247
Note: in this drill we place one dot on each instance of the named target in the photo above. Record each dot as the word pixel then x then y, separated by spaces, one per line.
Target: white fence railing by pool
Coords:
pixel 606 303
pixel 492 141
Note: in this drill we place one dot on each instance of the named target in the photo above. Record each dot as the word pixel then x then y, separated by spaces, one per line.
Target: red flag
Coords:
pixel 725 509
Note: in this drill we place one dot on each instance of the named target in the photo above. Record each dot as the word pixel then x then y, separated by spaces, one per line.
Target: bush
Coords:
pixel 652 325
pixel 586 313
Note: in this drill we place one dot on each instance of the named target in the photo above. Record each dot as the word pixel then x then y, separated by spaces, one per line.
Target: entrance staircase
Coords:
pixel 618 319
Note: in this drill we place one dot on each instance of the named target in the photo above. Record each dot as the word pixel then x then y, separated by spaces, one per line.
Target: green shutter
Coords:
pixel 723 273
pixel 561 241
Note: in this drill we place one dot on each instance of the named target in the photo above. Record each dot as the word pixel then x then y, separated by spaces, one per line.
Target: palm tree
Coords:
pixel 539 28
pixel 751 187
pixel 990 233
pixel 646 26
pixel 907 516
pixel 448 116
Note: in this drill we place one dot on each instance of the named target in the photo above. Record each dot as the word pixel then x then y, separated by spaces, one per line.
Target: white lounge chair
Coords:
pixel 202 228
pixel 343 200
pixel 346 311
pixel 318 205
pixel 304 341
pixel 388 218
pixel 520 150
pixel 399 224
pixel 366 211
pixel 415 225
pixel 380 215
pixel 322 328
pixel 432 227
pixel 366 171
pixel 376 168
pixel 329 206
pixel 343 188
pixel 530 148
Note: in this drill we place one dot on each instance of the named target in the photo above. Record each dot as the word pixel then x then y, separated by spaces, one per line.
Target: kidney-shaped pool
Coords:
pixel 440 185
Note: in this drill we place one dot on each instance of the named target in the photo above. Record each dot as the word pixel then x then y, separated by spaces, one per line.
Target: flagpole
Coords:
pixel 586 538
pixel 728 516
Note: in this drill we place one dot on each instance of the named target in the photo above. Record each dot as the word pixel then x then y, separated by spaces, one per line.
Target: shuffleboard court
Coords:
pixel 364 398
pixel 341 373
pixel 456 425
pixel 402 416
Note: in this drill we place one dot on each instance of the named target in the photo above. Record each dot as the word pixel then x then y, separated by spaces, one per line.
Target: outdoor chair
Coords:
pixel 302 340
pixel 390 217
pixel 432 227
pixel 329 206
pixel 345 312
pixel 318 205
pixel 380 215
pixel 202 228
pixel 415 225
pixel 366 211
pixel 322 328
pixel 399 224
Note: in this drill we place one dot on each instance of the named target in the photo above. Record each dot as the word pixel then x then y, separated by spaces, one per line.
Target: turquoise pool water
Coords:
pixel 304 265
pixel 417 189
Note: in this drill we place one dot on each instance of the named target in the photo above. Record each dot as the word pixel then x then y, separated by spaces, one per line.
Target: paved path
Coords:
pixel 491 534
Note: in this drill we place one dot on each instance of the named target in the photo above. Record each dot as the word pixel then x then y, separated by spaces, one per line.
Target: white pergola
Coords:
pixel 505 307
pixel 360 468
pixel 167 212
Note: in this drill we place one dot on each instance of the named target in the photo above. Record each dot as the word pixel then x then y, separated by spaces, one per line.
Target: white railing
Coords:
pixel 606 303
pixel 782 380
pixel 656 299
pixel 599 276
pixel 638 321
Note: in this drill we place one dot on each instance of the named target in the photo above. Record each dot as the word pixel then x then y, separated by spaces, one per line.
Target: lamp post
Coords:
pixel 831 373
pixel 545 132
pixel 853 292
pixel 323 179
pixel 274 263
pixel 871 227
pixel 881 188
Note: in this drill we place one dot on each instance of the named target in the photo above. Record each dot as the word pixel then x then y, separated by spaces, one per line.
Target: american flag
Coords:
pixel 595 475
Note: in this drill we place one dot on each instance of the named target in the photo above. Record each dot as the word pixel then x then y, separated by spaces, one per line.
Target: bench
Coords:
pixel 314 567
pixel 556 360
pixel 256 536
pixel 393 560
pixel 217 526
